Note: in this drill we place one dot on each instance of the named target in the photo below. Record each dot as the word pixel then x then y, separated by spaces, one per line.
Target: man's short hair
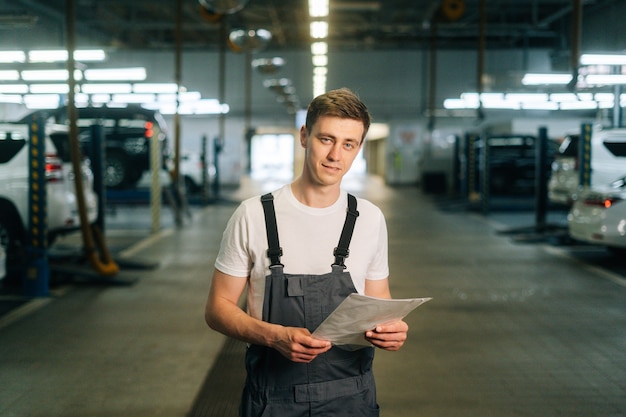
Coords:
pixel 340 103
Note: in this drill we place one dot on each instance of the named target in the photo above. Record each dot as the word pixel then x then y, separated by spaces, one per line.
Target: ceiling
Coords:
pixel 353 24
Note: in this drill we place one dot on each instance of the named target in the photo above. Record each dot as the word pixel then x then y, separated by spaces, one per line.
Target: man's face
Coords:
pixel 330 149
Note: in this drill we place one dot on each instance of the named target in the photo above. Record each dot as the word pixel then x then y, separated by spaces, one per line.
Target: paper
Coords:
pixel 359 313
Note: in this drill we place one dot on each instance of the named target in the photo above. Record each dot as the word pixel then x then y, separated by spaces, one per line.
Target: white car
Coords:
pixel 191 169
pixel 564 178
pixel 62 208
pixel 599 216
pixel 608 161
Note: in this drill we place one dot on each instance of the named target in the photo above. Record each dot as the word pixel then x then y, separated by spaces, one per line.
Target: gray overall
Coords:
pixel 336 383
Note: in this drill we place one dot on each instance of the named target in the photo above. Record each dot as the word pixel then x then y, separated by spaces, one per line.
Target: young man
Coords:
pixel 300 251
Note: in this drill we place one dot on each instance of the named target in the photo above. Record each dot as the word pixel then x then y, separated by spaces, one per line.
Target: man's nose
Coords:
pixel 335 152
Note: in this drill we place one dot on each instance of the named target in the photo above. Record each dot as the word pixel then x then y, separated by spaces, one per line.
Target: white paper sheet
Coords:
pixel 358 313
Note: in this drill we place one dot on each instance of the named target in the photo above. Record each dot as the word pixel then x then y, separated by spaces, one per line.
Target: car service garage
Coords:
pixel 133 133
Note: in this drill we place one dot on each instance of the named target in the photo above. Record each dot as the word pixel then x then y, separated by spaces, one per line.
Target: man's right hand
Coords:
pixel 297 345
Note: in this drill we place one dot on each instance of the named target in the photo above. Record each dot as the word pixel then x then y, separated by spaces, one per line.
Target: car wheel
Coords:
pixel 617 251
pixel 190 186
pixel 116 173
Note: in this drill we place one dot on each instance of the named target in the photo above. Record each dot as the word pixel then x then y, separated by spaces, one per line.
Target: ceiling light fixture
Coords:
pixel 603 59
pixel 318 8
pixel 106 88
pixel 116 74
pixel 60 55
pixel 9 75
pixel 13 88
pixel 319 30
pixel 7 57
pixel 546 79
pixel 49 75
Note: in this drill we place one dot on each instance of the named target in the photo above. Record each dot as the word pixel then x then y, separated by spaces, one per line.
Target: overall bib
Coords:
pixel 338 383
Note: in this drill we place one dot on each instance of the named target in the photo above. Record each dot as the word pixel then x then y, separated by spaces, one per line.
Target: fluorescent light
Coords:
pixel 605 79
pixel 45 75
pixel 454 103
pixel 10 98
pixel 578 105
pixel 319 85
pixel 182 97
pixel 602 59
pixel 49 75
pixel 14 88
pixel 47 56
pixel 472 100
pixel 81 99
pixel 527 97
pixel 7 57
pixel 563 97
pixel 49 88
pixel 319 30
pixel 116 74
pixel 155 88
pixel 167 108
pixel 320 71
pixel 85 55
pixel 133 98
pixel 42 101
pixel 106 88
pixel 206 106
pixel 538 79
pixel 320 60
pixel 60 55
pixel 9 75
pixel 100 98
pixel 539 105
pixel 318 8
pixel 319 48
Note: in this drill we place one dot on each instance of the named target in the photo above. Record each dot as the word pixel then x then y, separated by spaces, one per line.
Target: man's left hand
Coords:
pixel 389 336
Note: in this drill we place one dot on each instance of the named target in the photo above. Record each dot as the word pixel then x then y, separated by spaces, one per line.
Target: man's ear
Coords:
pixel 303 136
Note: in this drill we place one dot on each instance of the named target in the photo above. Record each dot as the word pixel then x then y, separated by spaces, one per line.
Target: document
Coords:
pixel 346 326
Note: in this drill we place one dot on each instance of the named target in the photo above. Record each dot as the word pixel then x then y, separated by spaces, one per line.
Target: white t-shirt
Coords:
pixel 308 237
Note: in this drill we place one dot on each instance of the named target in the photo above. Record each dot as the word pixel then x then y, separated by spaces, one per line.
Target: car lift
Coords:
pixel 543 231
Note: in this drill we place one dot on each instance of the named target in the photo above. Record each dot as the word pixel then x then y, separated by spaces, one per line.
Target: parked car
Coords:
pixel 128 132
pixel 62 209
pixel 608 161
pixel 564 177
pixel 599 216
pixel 191 168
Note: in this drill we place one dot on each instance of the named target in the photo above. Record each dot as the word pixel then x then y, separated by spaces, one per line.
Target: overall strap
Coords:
pixel 274 251
pixel 341 252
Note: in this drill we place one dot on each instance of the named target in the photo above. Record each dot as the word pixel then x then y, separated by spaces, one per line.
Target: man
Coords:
pixel 331 245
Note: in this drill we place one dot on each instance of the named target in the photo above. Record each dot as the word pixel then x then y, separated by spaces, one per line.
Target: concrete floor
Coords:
pixel 514 329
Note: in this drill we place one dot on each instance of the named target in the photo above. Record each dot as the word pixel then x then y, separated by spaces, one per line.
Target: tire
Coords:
pixel 116 171
pixel 190 186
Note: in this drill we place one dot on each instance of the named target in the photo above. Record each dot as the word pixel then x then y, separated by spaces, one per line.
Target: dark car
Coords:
pixel 128 132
